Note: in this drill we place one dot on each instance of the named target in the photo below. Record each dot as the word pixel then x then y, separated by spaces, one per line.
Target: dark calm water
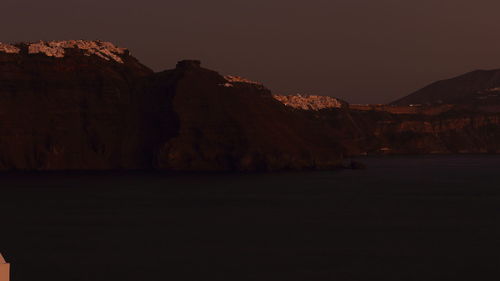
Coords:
pixel 404 218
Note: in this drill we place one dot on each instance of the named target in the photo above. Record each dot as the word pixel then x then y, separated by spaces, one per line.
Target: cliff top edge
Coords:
pixel 105 50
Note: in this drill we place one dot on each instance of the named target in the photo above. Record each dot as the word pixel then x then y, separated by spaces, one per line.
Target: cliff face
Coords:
pixel 70 105
pixel 73 105
pixel 231 123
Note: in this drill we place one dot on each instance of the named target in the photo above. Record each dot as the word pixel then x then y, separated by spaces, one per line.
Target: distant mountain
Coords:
pixel 89 105
pixel 477 87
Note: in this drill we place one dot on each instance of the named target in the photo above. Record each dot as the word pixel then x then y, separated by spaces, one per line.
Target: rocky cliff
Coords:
pixel 73 105
pixel 89 105
pixel 231 123
pixel 70 105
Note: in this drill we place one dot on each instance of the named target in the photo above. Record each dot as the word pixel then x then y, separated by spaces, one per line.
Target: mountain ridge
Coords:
pixel 475 87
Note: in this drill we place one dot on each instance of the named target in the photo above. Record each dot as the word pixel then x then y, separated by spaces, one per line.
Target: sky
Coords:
pixel 363 51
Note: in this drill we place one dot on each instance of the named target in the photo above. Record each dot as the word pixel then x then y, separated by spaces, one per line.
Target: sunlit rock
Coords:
pixel 104 50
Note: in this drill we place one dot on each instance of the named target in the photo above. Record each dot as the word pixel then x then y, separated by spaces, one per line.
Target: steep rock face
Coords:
pixel 477 87
pixel 71 105
pixel 230 123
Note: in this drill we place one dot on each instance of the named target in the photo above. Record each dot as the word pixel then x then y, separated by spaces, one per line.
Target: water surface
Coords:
pixel 404 218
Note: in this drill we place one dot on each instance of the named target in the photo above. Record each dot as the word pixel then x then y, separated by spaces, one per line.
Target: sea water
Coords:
pixel 403 218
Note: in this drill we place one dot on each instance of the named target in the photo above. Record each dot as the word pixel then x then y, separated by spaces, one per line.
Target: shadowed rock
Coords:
pixel 72 109
pixel 231 124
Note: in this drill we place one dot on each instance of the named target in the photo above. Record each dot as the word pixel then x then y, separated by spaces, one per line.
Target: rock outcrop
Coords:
pixel 231 123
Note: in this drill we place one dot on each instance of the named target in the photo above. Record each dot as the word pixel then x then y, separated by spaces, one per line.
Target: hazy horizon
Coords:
pixel 360 51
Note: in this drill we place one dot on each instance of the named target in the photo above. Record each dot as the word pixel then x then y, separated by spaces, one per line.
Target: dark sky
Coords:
pixel 364 51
